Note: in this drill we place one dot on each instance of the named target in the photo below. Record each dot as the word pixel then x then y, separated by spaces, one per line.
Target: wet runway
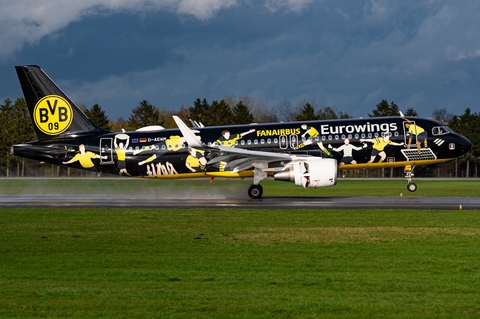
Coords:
pixel 366 202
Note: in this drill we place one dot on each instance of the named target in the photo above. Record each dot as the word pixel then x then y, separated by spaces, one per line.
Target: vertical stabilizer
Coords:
pixel 52 112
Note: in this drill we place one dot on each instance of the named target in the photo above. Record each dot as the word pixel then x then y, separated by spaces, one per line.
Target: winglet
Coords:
pixel 190 137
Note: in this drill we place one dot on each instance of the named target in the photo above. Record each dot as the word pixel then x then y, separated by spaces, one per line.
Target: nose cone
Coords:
pixel 465 145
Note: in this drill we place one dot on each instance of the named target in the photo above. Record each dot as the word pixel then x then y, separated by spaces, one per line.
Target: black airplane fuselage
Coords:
pixel 171 152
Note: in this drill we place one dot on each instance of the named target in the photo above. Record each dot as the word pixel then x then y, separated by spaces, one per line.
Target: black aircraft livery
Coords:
pixel 307 153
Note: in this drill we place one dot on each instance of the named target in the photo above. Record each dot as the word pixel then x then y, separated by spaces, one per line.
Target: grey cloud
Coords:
pixel 21 22
pixel 348 54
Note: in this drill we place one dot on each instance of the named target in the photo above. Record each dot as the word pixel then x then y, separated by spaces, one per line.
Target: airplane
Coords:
pixel 307 153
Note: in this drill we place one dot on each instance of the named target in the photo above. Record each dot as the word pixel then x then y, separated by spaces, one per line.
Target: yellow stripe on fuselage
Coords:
pixel 243 174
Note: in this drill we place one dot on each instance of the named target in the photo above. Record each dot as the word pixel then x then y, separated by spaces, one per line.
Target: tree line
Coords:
pixel 16 126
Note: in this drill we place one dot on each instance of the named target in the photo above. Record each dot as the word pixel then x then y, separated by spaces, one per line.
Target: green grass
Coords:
pixel 234 187
pixel 228 263
pixel 232 263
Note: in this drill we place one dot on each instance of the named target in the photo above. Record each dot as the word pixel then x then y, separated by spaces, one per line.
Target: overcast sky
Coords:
pixel 347 54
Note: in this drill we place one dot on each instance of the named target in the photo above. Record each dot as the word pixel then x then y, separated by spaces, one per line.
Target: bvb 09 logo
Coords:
pixel 53 115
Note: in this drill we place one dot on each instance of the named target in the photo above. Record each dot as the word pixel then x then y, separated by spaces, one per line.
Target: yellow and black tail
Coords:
pixel 53 113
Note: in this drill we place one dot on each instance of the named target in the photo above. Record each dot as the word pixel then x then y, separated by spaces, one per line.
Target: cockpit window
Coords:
pixel 441 130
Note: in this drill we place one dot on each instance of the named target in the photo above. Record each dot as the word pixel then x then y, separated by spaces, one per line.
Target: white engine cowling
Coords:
pixel 315 172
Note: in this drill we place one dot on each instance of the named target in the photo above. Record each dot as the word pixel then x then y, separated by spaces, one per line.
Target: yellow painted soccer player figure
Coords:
pixel 195 160
pixel 84 157
pixel 227 140
pixel 420 133
pixel 378 146
pixel 313 133
pixel 121 150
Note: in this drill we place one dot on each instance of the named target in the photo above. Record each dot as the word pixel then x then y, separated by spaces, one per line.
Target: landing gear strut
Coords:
pixel 411 186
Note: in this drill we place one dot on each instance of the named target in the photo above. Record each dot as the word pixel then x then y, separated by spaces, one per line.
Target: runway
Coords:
pixel 334 202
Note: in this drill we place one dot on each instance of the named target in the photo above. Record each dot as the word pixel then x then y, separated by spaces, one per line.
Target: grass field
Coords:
pixel 229 263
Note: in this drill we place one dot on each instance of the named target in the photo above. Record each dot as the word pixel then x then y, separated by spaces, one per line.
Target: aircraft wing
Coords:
pixel 229 154
pixel 241 159
pixel 238 159
pixel 266 155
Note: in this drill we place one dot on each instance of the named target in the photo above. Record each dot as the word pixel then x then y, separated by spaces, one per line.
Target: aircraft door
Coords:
pixel 283 142
pixel 288 141
pixel 293 141
pixel 106 151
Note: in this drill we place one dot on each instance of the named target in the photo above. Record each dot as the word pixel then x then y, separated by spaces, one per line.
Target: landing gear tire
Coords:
pixel 412 187
pixel 255 191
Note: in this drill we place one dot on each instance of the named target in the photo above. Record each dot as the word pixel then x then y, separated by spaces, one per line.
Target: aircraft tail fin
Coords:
pixel 53 113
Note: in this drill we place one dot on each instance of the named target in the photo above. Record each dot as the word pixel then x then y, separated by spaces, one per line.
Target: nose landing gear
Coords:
pixel 411 186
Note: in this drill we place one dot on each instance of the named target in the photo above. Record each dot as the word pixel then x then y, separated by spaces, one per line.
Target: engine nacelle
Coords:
pixel 315 172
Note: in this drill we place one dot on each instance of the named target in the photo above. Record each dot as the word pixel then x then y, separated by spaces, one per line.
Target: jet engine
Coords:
pixel 315 172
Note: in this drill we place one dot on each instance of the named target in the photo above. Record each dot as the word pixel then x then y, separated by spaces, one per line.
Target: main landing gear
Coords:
pixel 411 186
pixel 255 191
